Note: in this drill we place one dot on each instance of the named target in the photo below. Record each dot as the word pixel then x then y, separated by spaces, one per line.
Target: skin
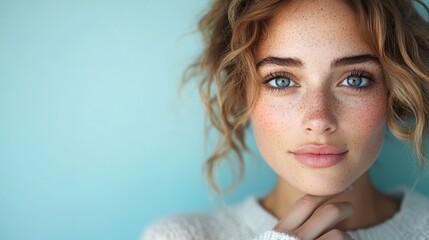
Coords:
pixel 319 107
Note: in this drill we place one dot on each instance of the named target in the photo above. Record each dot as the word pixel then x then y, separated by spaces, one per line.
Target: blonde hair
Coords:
pixel 232 29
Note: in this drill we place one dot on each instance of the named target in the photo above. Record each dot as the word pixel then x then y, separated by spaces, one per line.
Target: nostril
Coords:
pixel 320 128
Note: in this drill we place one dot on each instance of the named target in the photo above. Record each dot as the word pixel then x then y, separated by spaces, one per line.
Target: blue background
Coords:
pixel 96 141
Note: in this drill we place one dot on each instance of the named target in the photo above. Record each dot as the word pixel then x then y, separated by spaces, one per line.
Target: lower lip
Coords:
pixel 320 160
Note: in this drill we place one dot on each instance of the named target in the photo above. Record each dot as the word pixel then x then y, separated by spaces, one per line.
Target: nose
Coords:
pixel 319 113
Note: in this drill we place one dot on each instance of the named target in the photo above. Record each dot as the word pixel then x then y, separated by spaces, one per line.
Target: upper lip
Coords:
pixel 319 149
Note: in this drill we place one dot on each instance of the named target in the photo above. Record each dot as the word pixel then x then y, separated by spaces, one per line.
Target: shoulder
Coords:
pixel 410 222
pixel 180 227
pixel 415 213
pixel 221 224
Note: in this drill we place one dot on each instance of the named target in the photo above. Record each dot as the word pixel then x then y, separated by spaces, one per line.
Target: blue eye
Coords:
pixel 281 82
pixel 356 81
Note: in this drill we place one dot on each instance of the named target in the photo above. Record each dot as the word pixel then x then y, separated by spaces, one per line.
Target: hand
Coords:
pixel 310 218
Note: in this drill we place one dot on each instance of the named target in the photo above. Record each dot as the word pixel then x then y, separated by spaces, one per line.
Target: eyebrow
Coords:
pixel 295 62
pixel 279 61
pixel 350 60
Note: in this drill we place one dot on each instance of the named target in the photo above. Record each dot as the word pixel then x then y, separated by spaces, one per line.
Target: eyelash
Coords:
pixel 272 76
pixel 353 73
pixel 362 74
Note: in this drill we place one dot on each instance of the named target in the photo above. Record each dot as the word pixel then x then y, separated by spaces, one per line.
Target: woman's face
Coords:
pixel 319 119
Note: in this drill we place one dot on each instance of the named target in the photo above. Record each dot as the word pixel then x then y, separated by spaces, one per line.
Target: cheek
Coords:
pixel 365 126
pixel 273 123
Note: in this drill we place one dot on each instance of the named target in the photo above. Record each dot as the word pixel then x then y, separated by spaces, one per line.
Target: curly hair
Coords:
pixel 226 69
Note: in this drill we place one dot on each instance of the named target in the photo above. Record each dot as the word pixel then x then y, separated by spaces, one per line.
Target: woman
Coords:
pixel 318 81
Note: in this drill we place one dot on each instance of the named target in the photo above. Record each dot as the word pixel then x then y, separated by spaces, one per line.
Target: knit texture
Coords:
pixel 249 221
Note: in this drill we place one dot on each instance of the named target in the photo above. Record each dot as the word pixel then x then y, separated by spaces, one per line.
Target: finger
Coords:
pixel 302 210
pixel 335 234
pixel 324 219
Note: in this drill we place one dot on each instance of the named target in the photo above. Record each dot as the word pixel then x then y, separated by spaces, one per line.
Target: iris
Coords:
pixel 354 81
pixel 282 82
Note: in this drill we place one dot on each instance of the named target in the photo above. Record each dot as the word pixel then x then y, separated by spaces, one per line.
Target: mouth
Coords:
pixel 319 156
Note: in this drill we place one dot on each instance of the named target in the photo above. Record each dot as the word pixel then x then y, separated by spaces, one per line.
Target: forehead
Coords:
pixel 313 27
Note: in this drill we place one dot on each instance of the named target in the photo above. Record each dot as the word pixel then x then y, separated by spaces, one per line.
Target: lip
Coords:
pixel 319 156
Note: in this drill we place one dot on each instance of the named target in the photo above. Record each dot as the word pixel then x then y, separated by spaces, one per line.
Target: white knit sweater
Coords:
pixel 249 221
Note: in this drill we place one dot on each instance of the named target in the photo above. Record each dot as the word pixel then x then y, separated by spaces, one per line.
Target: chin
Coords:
pixel 325 189
pixel 324 182
pixel 324 192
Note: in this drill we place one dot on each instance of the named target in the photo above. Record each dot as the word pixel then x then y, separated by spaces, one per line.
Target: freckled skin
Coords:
pixel 319 111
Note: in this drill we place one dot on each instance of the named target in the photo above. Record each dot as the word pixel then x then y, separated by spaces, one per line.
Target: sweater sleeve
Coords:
pixel 273 235
pixel 170 230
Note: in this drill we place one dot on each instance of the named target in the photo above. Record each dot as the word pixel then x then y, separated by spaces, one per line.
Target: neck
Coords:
pixel 370 205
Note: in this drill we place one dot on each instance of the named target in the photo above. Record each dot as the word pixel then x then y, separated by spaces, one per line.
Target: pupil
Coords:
pixel 281 82
pixel 354 81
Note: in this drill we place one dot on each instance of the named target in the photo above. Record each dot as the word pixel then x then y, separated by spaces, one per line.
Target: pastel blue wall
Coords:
pixel 95 140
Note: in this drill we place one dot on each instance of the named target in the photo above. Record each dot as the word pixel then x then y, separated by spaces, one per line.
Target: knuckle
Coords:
pixel 334 234
pixel 278 227
pixel 303 201
pixel 298 233
pixel 337 234
pixel 332 210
